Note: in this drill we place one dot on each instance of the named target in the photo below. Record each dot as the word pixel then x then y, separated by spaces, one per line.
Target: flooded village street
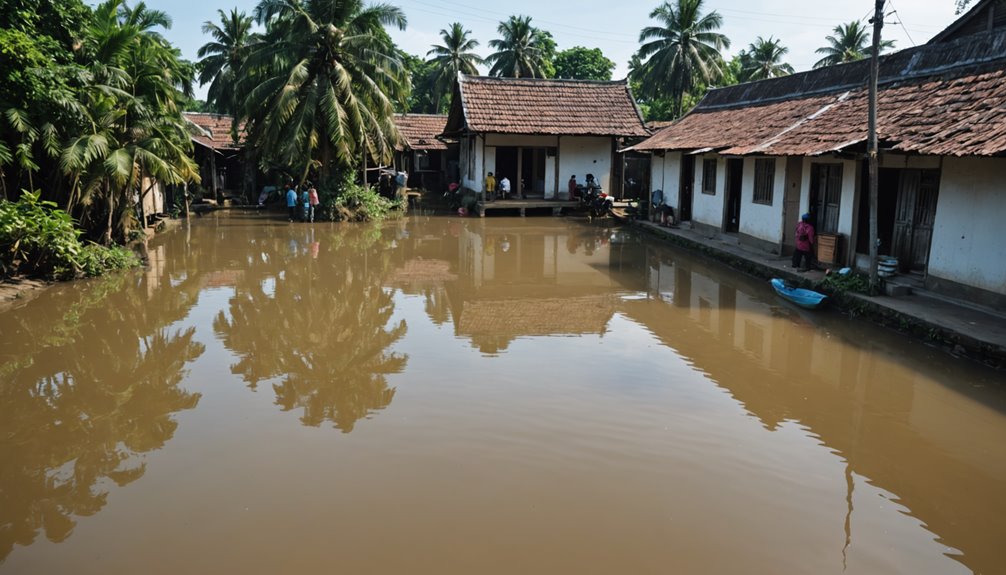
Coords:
pixel 464 395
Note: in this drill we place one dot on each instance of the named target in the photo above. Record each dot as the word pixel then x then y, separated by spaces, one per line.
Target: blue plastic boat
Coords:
pixel 809 299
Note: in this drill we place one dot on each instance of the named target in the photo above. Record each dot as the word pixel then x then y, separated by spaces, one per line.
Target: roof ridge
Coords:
pixel 480 78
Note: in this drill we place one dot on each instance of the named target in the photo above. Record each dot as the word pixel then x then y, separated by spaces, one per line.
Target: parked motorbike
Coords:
pixel 593 199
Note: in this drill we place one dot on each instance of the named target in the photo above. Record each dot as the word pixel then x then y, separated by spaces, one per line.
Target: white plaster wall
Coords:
pixel 762 221
pixel 969 239
pixel 489 157
pixel 550 184
pixel 708 209
pixel 665 175
pixel 585 155
pixel 473 179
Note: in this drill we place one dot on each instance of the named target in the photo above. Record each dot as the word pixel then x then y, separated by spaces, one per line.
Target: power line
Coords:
pixel 895 13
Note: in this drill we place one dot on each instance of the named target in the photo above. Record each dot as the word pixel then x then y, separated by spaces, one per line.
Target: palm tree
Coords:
pixel 762 60
pixel 223 57
pixel 685 47
pixel 320 85
pixel 850 43
pixel 455 56
pixel 521 51
pixel 128 103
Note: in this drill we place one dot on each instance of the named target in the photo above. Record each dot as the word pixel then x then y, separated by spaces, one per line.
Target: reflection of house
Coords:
pixel 428 160
pixel 895 421
pixel 219 156
pixel 749 159
pixel 522 280
pixel 538 132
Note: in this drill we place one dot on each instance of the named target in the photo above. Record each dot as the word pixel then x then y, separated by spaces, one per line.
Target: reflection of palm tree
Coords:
pixel 99 389
pixel 331 345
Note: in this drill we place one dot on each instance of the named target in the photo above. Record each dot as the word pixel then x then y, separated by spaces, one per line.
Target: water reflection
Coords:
pixel 313 314
pixel 90 382
pixel 893 418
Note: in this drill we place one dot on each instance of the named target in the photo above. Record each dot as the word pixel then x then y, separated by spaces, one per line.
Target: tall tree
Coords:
pixel 763 59
pixel 579 63
pixel 321 86
pixel 454 56
pixel 522 51
pixel 222 58
pixel 851 42
pixel 684 49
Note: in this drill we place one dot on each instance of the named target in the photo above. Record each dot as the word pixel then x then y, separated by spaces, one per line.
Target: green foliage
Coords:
pixel 763 60
pixel 343 199
pixel 448 60
pixel 838 284
pixel 579 63
pixel 522 50
pixel 850 43
pixel 38 239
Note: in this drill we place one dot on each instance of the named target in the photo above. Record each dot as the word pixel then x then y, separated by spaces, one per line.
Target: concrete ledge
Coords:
pixel 957 329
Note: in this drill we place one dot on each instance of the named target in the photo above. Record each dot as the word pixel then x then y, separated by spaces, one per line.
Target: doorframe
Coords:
pixel 728 184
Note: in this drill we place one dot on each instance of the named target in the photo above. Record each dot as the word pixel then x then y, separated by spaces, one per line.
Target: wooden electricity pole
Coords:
pixel 871 146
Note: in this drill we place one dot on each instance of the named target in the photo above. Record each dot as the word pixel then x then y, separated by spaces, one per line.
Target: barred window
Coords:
pixel 764 181
pixel 709 177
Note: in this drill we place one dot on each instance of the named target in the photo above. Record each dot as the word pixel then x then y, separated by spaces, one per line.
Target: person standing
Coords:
pixel 490 186
pixel 291 201
pixel 312 198
pixel 504 187
pixel 804 243
pixel 305 204
pixel 572 187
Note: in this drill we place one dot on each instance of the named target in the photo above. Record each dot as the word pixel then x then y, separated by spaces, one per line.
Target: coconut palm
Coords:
pixel 321 84
pixel 134 127
pixel 683 49
pixel 453 57
pixel 223 57
pixel 762 60
pixel 521 51
pixel 850 43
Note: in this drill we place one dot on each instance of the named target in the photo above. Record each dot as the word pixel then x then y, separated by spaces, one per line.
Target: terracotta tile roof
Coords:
pixel 945 99
pixel 420 131
pixel 546 107
pixel 214 130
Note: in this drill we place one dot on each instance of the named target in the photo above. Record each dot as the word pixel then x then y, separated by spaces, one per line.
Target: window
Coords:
pixel 764 181
pixel 709 177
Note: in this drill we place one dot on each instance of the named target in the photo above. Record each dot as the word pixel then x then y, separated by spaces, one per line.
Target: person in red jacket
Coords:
pixel 804 243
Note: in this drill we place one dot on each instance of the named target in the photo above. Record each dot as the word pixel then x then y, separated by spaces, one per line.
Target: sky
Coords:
pixel 612 25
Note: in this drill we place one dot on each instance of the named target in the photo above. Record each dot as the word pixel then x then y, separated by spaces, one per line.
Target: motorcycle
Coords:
pixel 597 203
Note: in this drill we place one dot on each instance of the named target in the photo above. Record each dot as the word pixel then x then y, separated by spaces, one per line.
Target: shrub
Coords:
pixel 38 239
pixel 347 200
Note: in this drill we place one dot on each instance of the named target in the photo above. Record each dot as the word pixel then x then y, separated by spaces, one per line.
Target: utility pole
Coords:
pixel 871 146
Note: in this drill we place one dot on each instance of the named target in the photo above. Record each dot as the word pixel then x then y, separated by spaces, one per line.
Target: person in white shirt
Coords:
pixel 505 187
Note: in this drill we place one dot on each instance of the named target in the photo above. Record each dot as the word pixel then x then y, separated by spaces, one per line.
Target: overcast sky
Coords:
pixel 613 25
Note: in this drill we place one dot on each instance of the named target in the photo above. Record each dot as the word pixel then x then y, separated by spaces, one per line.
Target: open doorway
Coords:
pixel 732 201
pixel 685 188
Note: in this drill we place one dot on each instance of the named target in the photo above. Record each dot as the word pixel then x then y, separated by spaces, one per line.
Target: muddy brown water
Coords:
pixel 505 395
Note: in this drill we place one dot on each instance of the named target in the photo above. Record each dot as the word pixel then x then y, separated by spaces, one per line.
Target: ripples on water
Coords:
pixel 503 395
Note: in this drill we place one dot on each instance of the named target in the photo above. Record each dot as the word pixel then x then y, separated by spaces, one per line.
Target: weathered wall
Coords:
pixel 665 175
pixel 585 155
pixel 763 221
pixel 969 241
pixel 707 209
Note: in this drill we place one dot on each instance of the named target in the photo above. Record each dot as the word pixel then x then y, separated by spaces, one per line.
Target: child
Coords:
pixel 804 243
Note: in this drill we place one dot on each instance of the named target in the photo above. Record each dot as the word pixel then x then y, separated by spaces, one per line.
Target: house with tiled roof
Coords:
pixel 220 156
pixel 421 153
pixel 749 159
pixel 538 133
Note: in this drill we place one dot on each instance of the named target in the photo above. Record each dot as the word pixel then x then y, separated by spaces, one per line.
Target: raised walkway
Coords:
pixel 959 327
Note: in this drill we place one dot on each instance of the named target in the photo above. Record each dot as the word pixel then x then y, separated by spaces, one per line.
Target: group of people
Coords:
pixel 576 190
pixel 303 205
pixel 491 186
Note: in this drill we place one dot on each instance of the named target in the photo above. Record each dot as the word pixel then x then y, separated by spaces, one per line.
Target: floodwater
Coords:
pixel 505 395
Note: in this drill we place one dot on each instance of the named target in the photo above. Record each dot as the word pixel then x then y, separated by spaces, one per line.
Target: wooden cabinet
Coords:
pixel 829 249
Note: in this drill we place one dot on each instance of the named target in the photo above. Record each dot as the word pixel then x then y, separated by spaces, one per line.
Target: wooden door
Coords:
pixel 732 201
pixel 791 202
pixel 685 189
pixel 825 196
pixel 918 192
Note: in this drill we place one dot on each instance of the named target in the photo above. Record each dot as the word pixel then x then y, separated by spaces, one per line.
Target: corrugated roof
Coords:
pixel 420 131
pixel 547 107
pixel 944 99
pixel 214 130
